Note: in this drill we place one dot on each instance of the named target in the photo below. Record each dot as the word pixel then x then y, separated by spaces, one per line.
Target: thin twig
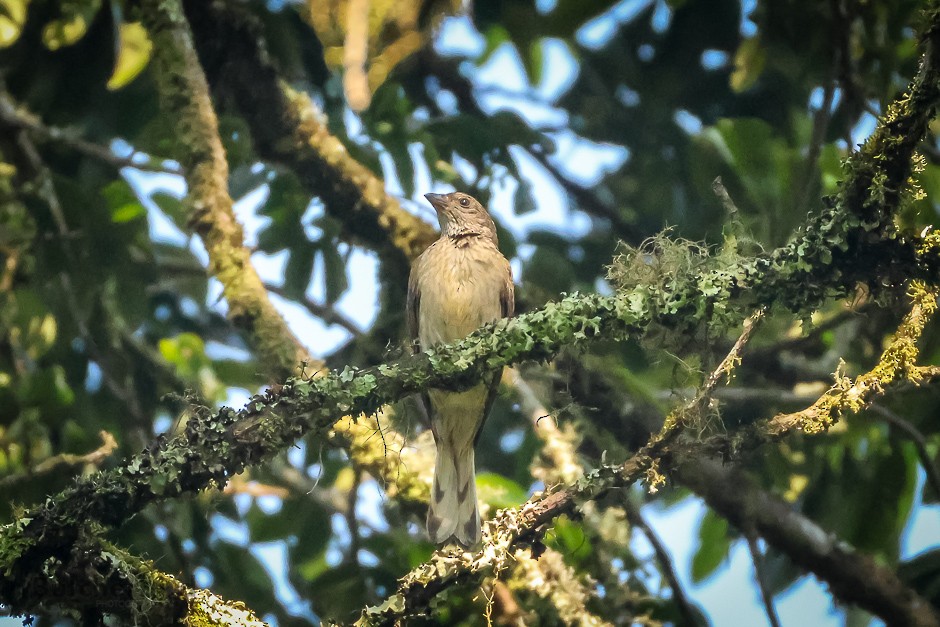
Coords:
pixel 820 126
pixel 917 438
pixel 718 187
pixel 765 594
pixel 810 336
pixel 326 313
pixel 588 200
pixel 686 611
pixel 16 117
pixel 64 461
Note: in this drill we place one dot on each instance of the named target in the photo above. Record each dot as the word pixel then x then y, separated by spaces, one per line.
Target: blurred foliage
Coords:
pixel 107 318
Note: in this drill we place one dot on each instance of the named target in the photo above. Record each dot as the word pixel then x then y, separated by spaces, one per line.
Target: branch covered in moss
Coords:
pixel 402 468
pixel 91 577
pixel 185 94
pixel 517 528
pixel 287 128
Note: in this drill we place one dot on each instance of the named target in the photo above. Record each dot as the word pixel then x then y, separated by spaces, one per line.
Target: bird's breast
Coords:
pixel 461 292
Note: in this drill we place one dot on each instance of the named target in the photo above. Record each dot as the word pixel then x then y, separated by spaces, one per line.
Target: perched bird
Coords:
pixel 458 284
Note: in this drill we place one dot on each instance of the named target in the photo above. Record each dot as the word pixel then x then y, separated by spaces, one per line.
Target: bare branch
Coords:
pixel 931 469
pixel 64 462
pixel 326 313
pixel 765 595
pixel 18 117
pixel 689 616
pixel 852 576
pixel 185 93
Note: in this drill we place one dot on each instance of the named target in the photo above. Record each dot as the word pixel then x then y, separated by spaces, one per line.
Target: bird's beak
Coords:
pixel 438 201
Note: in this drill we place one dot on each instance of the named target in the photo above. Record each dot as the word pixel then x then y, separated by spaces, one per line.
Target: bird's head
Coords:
pixel 462 215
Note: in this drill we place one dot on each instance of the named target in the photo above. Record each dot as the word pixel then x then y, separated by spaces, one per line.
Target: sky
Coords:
pixel 729 596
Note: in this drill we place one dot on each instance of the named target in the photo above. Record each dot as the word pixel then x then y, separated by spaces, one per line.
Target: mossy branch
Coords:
pixel 184 94
pixel 287 128
pixel 91 577
pixel 859 217
pixel 217 445
pixel 513 529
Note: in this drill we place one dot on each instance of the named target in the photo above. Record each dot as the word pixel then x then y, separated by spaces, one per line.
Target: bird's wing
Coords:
pixel 412 307
pixel 507 295
pixel 412 313
pixel 507 303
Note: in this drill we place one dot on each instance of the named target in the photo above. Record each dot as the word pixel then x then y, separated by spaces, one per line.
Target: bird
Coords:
pixel 459 283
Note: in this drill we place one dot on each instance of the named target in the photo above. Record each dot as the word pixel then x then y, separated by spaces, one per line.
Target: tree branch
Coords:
pixel 218 445
pixel 513 529
pixel 287 128
pixel 17 117
pixel 766 597
pixel 852 576
pixel 688 614
pixel 64 462
pixel 184 93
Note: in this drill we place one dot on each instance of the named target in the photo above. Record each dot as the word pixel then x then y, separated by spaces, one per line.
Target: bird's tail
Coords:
pixel 453 511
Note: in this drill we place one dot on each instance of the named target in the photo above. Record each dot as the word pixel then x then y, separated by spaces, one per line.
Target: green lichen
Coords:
pixel 184 93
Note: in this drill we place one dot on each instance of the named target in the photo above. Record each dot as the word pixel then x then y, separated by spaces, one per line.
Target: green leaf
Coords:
pixel 495 36
pixel 126 213
pixel 64 32
pixel 334 267
pixel 523 201
pixel 47 389
pixel 186 351
pixel 298 270
pixel 500 492
pixel 535 62
pixel 124 204
pixel 550 270
pixel 134 48
pixel 714 543
pixel 749 63
pixel 569 538
pixel 242 374
pixel 298 517
pixel 174 208
pixel 76 16
pixel 12 18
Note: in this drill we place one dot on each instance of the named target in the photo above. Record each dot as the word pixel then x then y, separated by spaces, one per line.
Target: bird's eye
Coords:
pixel 464 202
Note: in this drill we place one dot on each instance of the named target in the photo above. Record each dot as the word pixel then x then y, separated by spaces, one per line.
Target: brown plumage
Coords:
pixel 458 284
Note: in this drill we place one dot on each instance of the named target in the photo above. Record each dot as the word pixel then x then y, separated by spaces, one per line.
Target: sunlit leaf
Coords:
pixel 748 64
pixel 499 491
pixel 72 25
pixel 128 212
pixel 134 51
pixel 12 18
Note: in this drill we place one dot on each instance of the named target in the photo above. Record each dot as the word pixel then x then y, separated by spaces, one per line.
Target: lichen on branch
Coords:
pixel 184 94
